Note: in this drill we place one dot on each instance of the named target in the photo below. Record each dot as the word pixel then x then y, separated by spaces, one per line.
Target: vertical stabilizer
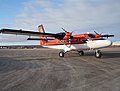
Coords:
pixel 41 30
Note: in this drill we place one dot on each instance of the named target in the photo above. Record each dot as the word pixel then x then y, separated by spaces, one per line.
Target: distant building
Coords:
pixel 21 47
pixel 116 44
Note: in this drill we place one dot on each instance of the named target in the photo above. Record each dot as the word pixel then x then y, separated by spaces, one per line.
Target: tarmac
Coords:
pixel 43 70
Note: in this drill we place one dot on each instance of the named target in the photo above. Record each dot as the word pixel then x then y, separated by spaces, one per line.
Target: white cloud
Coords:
pixel 12 38
pixel 78 15
pixel 71 14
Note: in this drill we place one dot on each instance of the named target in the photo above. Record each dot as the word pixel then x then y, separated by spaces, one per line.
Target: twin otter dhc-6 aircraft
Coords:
pixel 66 41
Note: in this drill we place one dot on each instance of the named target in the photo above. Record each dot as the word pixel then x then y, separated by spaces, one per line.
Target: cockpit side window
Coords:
pixel 91 35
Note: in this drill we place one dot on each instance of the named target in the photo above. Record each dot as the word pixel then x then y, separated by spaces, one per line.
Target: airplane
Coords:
pixel 66 41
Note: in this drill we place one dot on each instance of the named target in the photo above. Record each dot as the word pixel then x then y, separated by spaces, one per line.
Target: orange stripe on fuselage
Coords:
pixel 77 39
pixel 59 42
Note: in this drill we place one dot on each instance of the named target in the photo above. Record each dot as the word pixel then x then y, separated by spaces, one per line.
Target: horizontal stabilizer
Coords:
pixel 38 39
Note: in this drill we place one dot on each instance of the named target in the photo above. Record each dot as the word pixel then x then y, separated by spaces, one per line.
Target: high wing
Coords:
pixel 23 32
pixel 32 33
pixel 107 35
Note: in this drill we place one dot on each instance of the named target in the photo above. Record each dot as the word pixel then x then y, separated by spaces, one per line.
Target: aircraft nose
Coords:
pixel 99 44
pixel 108 43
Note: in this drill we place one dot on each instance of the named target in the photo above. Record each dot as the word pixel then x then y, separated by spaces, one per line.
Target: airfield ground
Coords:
pixel 43 70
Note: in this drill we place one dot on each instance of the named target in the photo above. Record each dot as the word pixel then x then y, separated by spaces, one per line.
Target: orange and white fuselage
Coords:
pixel 90 44
pixel 78 42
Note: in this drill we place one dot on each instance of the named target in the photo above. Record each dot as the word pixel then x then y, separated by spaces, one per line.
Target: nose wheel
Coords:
pixel 61 54
pixel 98 54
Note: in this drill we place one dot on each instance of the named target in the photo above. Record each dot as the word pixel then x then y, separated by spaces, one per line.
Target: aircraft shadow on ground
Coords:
pixel 105 54
pixel 111 55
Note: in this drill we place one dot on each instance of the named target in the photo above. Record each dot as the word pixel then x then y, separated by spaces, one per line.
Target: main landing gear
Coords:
pixel 98 54
pixel 62 53
pixel 81 53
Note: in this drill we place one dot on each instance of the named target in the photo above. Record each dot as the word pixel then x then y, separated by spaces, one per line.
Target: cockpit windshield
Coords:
pixel 91 35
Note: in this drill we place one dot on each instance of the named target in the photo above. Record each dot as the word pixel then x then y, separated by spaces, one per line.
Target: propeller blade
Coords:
pixel 64 29
pixel 95 32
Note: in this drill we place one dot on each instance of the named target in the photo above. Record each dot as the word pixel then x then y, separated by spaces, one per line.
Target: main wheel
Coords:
pixel 81 53
pixel 98 54
pixel 61 54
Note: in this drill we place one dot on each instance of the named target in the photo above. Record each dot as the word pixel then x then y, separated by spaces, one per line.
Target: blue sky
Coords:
pixel 9 9
pixel 79 16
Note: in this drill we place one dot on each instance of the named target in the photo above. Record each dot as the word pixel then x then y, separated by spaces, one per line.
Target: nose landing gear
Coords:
pixel 61 54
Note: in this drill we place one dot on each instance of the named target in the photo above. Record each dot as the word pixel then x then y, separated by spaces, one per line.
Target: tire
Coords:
pixel 61 54
pixel 98 54
pixel 81 53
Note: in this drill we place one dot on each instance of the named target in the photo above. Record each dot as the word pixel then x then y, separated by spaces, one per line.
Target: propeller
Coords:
pixel 67 36
pixel 104 35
